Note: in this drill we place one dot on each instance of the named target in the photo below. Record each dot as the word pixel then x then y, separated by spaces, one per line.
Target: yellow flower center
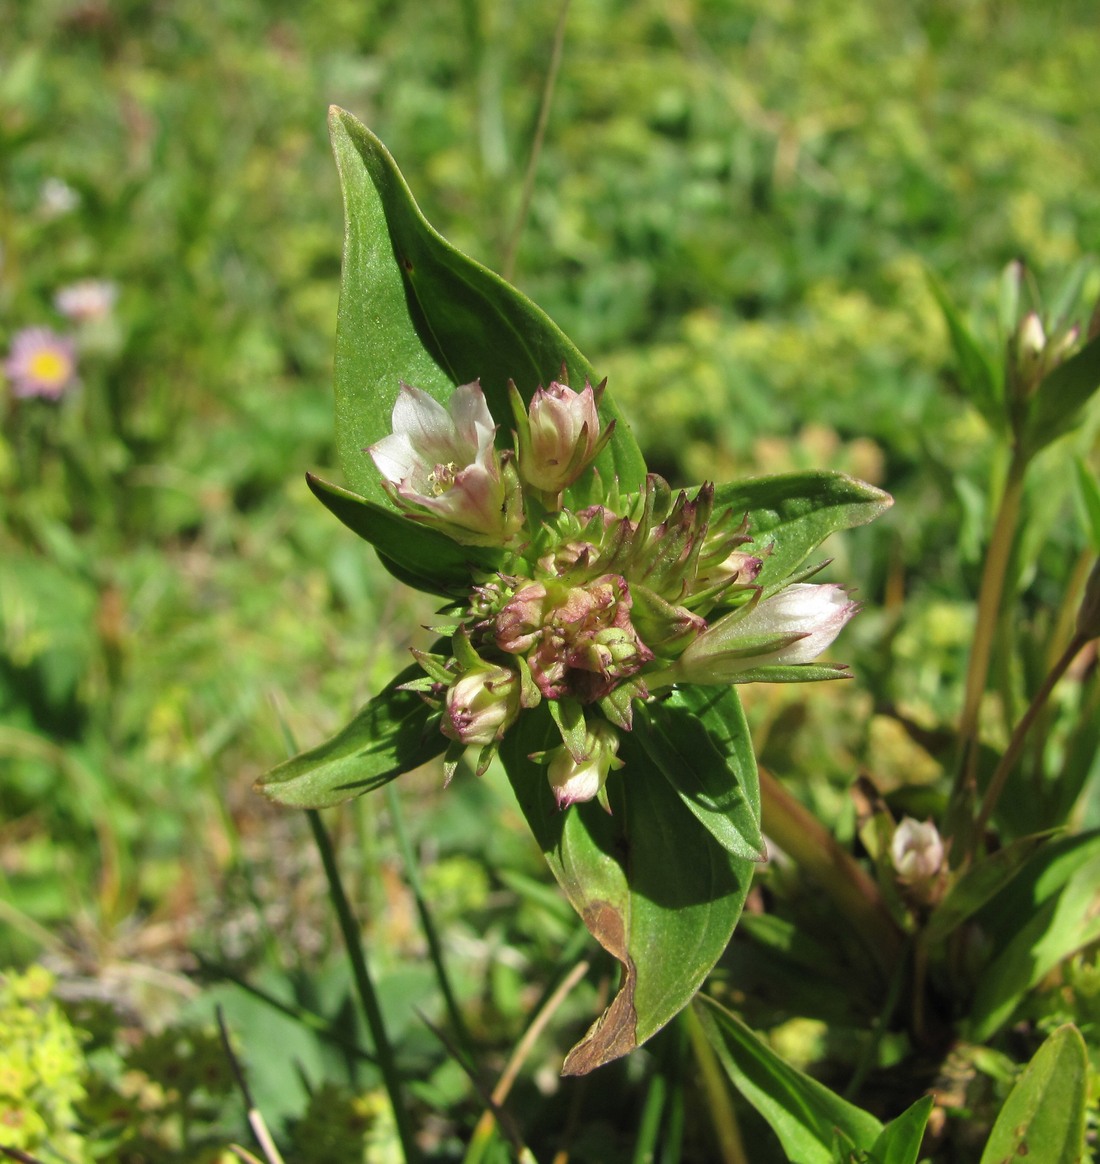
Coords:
pixel 51 368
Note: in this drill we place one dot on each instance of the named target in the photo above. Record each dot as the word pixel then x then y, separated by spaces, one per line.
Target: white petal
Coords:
pixel 426 423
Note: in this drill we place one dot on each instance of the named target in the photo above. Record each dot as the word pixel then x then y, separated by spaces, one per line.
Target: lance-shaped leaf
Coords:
pixel 413 309
pixel 1043 1119
pixel 1047 912
pixel 979 378
pixel 389 736
pixel 985 878
pixel 646 879
pixel 791 514
pixel 1060 399
pixel 900 1141
pixel 810 1120
pixel 420 557
pixel 698 739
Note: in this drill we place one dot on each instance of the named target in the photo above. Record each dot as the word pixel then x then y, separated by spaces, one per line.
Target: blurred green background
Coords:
pixel 735 211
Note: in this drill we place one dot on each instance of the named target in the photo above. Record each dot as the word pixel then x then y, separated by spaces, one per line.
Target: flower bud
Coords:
pixel 919 857
pixel 481 706
pixel 578 640
pixel 575 780
pixel 441 463
pixel 916 850
pixel 558 436
pixel 790 628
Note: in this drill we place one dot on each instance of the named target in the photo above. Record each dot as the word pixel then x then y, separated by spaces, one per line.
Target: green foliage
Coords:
pixel 776 228
pixel 1044 1115
pixel 42 1069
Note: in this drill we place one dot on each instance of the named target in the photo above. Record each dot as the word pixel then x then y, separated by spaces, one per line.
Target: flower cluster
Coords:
pixel 590 609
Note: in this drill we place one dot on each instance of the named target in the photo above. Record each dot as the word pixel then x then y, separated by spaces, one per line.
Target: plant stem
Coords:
pixel 508 264
pixel 383 1049
pixel 1016 743
pixel 798 833
pixel 731 1147
pixel 990 594
pixel 431 934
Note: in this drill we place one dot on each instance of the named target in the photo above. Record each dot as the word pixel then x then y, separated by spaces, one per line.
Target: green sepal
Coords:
pixel 435 667
pixel 394 733
pixel 418 556
pixel 568 717
pixel 794 673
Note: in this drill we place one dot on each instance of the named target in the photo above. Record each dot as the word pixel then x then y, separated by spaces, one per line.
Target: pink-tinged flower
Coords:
pixel 87 300
pixel 442 461
pixel 917 851
pixel 789 629
pixel 578 640
pixel 558 435
pixel 481 706
pixel 574 780
pixel 40 363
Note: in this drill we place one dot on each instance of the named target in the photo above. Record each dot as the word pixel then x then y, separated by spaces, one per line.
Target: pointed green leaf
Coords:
pixel 389 736
pixel 1060 399
pixel 1047 912
pixel 420 557
pixel 646 879
pixel 978 376
pixel 977 885
pixel 717 781
pixel 414 309
pixel 1043 1119
pixel 804 1114
pixel 900 1140
pixel 790 515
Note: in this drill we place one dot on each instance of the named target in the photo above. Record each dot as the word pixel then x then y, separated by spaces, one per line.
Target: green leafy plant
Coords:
pixel 601 620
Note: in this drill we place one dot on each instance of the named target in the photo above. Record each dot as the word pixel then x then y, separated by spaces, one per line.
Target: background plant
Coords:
pixel 734 208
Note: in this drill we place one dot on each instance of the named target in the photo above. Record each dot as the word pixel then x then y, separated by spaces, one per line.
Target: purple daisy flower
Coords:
pixel 40 363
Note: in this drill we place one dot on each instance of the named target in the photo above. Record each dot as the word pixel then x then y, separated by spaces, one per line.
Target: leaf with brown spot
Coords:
pixel 652 884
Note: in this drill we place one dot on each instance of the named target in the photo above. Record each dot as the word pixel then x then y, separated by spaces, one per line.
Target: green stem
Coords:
pixel 508 265
pixel 1019 736
pixel 349 928
pixel 990 595
pixel 431 934
pixel 799 834
pixel 731 1147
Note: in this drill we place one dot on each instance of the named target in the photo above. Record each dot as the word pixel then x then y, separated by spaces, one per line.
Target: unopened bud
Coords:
pixel 917 852
pixel 576 780
pixel 481 706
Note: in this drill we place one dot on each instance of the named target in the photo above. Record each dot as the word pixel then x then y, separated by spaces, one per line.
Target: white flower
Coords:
pixel 442 460
pixel 86 300
pixel 917 851
pixel 790 628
